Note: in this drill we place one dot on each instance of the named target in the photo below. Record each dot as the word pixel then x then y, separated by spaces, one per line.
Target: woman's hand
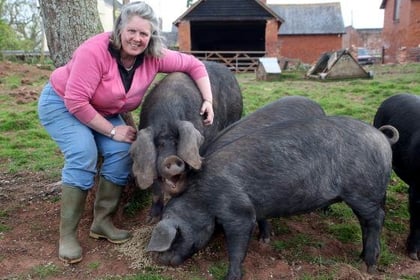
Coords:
pixel 207 112
pixel 125 133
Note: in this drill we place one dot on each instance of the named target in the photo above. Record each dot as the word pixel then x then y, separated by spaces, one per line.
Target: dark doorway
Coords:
pixel 228 36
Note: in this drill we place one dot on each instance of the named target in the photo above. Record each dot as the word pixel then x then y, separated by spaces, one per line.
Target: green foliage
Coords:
pixel 397 211
pixel 4 228
pixel 140 200
pixel 46 271
pixel 23 21
pixel 218 270
pixel 386 257
pixel 279 227
pixel 94 265
pixel 8 40
pixel 295 247
pixel 346 233
pixel 25 145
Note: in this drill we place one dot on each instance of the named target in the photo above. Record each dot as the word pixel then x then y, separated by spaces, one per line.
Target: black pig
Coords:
pixel 283 109
pixel 403 112
pixel 171 130
pixel 280 169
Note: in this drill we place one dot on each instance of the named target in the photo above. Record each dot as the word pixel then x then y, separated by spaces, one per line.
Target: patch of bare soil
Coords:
pixel 30 207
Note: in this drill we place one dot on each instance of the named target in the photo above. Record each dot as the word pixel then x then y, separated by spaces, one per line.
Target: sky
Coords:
pixel 358 13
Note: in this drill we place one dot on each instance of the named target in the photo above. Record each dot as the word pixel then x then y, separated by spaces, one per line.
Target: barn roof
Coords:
pixel 321 18
pixel 232 10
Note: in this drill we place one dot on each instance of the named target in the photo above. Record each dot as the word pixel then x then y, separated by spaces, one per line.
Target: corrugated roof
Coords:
pixel 208 10
pixel 321 18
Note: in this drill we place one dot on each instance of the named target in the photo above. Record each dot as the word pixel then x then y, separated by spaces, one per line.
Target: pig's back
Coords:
pixel 300 165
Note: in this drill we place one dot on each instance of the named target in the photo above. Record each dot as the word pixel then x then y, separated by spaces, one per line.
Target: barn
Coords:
pixel 401 32
pixel 309 30
pixel 238 32
pixel 235 32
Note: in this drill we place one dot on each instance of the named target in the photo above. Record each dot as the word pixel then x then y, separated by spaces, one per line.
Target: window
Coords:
pixel 397 10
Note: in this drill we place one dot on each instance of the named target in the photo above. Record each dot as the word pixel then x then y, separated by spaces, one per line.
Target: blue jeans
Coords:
pixel 81 145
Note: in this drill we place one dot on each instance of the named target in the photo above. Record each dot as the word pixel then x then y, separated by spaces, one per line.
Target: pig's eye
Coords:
pixel 160 145
pixel 167 142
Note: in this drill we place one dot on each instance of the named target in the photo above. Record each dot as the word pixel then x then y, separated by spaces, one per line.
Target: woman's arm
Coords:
pixel 204 86
pixel 122 133
pixel 174 61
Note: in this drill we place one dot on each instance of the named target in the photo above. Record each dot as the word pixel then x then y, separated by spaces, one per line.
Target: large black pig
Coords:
pixel 171 130
pixel 279 169
pixel 284 109
pixel 403 112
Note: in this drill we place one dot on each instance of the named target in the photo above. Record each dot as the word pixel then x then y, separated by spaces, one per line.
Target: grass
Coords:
pixel 45 271
pixel 25 146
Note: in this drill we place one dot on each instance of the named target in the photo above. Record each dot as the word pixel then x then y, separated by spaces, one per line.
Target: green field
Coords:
pixel 25 147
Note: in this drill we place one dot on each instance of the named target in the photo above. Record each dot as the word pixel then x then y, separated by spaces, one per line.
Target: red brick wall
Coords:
pixel 413 38
pixel 403 33
pixel 370 39
pixel 184 36
pixel 366 38
pixel 308 48
pixel 271 45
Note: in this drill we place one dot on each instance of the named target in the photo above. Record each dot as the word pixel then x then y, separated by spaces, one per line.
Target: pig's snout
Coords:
pixel 167 258
pixel 172 166
pixel 173 171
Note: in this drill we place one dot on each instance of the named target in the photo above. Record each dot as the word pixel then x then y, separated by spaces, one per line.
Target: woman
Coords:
pixel 80 108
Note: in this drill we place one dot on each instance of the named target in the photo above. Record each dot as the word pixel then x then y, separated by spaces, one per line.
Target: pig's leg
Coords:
pixel 264 229
pixel 156 209
pixel 371 223
pixel 238 233
pixel 413 240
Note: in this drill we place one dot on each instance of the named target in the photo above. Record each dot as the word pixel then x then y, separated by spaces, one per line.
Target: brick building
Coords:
pixel 253 26
pixel 234 25
pixel 309 30
pixel 369 38
pixel 401 31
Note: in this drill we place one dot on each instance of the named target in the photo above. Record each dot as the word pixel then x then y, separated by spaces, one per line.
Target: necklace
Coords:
pixel 129 68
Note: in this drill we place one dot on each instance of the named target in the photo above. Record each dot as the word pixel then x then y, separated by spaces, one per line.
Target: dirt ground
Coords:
pixel 29 248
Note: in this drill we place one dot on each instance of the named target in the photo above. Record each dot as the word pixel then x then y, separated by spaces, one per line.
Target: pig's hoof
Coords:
pixel 413 256
pixel 151 220
pixel 371 269
pixel 265 240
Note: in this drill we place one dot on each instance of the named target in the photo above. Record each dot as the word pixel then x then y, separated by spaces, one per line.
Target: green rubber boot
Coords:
pixel 106 203
pixel 72 207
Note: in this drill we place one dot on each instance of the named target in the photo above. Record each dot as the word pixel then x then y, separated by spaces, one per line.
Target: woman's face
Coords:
pixel 135 36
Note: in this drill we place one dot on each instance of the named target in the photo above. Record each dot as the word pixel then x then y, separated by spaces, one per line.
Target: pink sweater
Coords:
pixel 90 82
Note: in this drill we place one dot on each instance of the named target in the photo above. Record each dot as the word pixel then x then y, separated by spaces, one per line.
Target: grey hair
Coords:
pixel 143 10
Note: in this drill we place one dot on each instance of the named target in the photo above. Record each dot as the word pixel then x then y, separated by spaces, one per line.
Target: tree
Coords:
pixel 189 3
pixel 20 25
pixel 8 40
pixel 67 24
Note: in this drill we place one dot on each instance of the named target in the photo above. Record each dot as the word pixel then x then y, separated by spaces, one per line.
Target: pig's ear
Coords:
pixel 190 140
pixel 162 237
pixel 143 153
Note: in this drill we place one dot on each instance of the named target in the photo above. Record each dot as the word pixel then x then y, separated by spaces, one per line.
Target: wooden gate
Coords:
pixel 237 61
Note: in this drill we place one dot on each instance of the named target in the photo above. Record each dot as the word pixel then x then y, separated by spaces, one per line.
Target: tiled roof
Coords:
pixel 321 18
pixel 208 10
